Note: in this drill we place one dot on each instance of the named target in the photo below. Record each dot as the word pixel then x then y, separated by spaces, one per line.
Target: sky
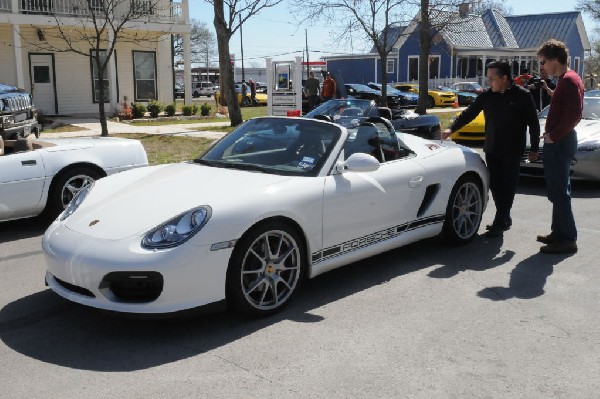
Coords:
pixel 275 33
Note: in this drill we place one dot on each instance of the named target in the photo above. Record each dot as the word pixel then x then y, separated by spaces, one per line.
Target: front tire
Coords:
pixel 430 102
pixel 464 211
pixel 265 269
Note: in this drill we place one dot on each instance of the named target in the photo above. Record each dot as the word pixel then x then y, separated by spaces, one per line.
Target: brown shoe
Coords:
pixel 545 239
pixel 565 247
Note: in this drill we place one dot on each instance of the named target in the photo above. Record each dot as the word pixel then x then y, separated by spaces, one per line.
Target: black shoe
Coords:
pixel 556 247
pixel 494 231
pixel 499 226
pixel 545 239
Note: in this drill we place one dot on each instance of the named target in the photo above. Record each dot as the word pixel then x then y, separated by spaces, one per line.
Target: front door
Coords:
pixel 42 83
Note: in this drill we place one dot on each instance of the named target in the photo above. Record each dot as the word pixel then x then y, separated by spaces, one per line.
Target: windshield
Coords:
pixel 591 109
pixel 284 146
pixel 347 113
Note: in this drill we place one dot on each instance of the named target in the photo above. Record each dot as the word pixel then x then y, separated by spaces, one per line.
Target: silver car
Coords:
pixel 586 164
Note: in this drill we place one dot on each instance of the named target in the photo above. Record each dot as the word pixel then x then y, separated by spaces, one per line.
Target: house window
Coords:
pixel 413 67
pixel 144 74
pixel 434 66
pixel 391 66
pixel 96 77
pixel 142 7
pixel 576 64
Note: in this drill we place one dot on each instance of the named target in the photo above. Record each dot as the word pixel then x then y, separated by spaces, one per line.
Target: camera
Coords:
pixel 537 82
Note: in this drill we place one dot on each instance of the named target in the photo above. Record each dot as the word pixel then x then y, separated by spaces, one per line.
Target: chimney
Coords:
pixel 463 10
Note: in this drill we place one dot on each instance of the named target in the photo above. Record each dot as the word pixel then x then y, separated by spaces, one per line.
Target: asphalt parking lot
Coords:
pixel 493 319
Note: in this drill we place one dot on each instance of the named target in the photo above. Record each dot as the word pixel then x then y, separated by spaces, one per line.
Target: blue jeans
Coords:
pixel 557 167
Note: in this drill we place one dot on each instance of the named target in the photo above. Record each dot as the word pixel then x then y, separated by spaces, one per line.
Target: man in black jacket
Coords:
pixel 508 110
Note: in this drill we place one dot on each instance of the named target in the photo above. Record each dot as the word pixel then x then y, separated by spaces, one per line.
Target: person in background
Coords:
pixel 244 91
pixel 590 82
pixel 508 110
pixel 252 85
pixel 311 90
pixel 523 78
pixel 541 89
pixel 560 145
pixel 328 90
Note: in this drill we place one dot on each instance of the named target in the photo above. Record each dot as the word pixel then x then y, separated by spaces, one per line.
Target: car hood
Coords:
pixel 135 201
pixel 588 131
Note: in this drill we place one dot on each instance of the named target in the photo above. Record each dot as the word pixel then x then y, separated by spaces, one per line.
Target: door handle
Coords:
pixel 30 162
pixel 415 181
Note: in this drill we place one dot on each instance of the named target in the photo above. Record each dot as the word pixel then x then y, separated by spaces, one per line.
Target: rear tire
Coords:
pixel 464 211
pixel 66 185
pixel 430 102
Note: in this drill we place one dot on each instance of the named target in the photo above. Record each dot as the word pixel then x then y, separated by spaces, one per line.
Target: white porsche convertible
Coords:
pixel 274 202
pixel 38 175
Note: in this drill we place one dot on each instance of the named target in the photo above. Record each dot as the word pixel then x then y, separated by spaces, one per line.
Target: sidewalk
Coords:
pixel 91 127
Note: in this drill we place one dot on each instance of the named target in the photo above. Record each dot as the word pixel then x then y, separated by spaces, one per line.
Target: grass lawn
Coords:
pixel 167 149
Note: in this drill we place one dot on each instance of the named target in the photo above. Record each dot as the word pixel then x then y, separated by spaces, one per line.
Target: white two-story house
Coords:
pixel 66 83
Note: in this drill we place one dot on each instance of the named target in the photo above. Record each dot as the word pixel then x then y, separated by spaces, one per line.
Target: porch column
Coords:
pixel 112 78
pixel 187 58
pixel 483 71
pixel 18 53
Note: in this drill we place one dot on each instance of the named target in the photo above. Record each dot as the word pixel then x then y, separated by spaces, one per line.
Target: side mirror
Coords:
pixel 358 162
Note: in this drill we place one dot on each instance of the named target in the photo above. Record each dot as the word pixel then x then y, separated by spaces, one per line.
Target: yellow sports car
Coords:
pixel 474 130
pixel 435 97
pixel 261 99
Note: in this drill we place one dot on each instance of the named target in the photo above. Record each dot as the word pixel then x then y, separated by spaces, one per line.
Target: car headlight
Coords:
pixel 177 230
pixel 76 201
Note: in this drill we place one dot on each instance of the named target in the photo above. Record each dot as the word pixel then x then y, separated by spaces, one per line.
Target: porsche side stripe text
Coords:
pixel 373 238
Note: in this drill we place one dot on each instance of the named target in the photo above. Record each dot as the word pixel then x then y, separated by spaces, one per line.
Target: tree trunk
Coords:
pixel 101 112
pixel 425 35
pixel 383 55
pixel 225 68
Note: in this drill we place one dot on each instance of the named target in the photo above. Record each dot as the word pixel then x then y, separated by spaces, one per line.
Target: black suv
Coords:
pixel 18 116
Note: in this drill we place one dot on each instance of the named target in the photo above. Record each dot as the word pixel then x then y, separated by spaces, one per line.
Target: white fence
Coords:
pixel 5 5
pixel 435 83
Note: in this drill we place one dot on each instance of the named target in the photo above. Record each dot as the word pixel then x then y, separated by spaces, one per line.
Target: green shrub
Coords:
pixel 205 109
pixel 186 110
pixel 170 109
pixel 138 110
pixel 155 108
pixel 194 109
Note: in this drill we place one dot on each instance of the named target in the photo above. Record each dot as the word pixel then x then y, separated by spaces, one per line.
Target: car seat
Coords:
pixel 366 141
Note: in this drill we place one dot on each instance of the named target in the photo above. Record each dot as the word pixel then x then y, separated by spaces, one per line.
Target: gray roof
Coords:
pixel 393 36
pixel 463 32
pixel 531 31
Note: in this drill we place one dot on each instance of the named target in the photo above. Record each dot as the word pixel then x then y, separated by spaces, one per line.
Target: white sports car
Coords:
pixel 38 175
pixel 274 202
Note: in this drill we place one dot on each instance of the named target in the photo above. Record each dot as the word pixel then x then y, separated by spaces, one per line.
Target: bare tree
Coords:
pixel 591 7
pixel 229 16
pixel 101 24
pixel 498 5
pixel 434 17
pixel 375 19
pixel 202 41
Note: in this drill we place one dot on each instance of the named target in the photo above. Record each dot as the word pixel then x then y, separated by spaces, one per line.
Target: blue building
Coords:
pixel 466 44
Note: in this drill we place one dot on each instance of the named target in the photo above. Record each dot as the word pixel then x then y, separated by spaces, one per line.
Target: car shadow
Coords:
pixel 50 329
pixel 23 228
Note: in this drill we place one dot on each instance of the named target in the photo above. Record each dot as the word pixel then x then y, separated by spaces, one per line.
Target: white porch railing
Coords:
pixel 146 10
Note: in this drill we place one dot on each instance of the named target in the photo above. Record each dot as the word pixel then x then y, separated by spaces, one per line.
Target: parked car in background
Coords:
pixel 307 197
pixel 407 99
pixel 38 175
pixel 261 87
pixel 586 163
pixel 351 112
pixel 474 130
pixel 18 116
pixel 204 89
pixel 471 87
pixel 179 91
pixel 464 97
pixel 364 92
pixel 261 99
pixel 435 98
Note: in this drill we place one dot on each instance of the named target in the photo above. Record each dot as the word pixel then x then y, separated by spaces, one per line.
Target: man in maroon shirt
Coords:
pixel 560 145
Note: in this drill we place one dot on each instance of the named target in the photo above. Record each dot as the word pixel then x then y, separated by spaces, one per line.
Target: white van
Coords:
pixel 204 89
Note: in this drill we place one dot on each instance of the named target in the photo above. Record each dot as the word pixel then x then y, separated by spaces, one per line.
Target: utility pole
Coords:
pixel 307 59
pixel 242 47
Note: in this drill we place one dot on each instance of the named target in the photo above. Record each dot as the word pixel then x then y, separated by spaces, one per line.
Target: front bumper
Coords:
pixel 22 129
pixel 585 165
pixel 121 276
